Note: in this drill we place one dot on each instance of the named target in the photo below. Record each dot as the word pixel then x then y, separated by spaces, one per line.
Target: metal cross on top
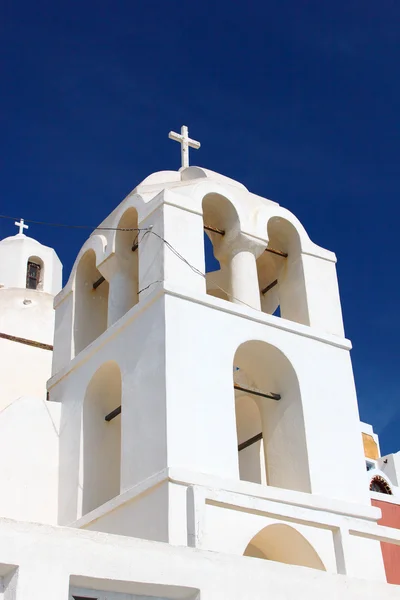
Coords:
pixel 21 225
pixel 185 142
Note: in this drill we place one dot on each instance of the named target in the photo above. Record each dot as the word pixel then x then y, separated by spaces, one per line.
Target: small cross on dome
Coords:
pixel 185 142
pixel 21 226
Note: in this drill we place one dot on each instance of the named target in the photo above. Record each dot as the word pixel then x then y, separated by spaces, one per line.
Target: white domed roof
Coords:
pixel 18 237
pixel 166 178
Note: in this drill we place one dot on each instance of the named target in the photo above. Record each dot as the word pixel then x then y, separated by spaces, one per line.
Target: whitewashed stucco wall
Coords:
pixel 26 314
pixel 29 430
pixel 47 561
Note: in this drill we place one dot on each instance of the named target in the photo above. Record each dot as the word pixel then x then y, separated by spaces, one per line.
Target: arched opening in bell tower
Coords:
pixel 269 411
pixel 269 267
pixel 282 543
pixel 127 254
pixel 221 226
pixel 101 439
pixel 280 273
pixel 91 302
pixel 34 273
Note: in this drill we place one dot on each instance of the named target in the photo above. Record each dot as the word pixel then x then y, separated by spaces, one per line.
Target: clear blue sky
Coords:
pixel 297 99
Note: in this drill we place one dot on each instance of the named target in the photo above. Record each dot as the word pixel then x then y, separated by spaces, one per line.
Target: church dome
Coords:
pixel 18 237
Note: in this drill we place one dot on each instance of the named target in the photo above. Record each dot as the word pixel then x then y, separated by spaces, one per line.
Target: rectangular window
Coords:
pixel 33 276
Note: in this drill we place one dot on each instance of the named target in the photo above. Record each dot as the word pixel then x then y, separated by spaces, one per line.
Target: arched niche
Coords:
pixel 283 543
pixel 280 273
pixel 34 273
pixel 91 302
pixel 126 282
pixel 101 439
pixel 221 226
pixel 260 367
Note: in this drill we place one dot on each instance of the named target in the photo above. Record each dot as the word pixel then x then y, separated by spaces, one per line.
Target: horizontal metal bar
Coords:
pixel 222 232
pixel 20 340
pixel 214 229
pixel 98 282
pixel 250 442
pixel 278 252
pixel 269 287
pixel 270 395
pixel 114 413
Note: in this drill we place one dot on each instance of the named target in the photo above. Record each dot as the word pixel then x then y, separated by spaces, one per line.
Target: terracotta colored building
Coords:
pixel 384 478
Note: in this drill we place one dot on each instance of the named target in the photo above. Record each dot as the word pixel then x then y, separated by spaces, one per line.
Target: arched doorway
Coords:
pixel 269 411
pixel 283 543
pixel 101 439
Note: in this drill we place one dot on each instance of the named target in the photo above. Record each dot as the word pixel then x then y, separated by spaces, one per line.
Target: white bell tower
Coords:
pixel 239 429
pixel 30 277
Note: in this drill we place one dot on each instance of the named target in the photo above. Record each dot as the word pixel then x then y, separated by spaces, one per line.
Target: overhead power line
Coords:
pixel 66 226
pixel 138 229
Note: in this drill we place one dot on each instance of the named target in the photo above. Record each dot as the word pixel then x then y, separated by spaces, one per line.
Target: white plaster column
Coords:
pixel 122 278
pixel 341 546
pixel 358 556
pixel 243 279
pixel 240 258
pixel 121 296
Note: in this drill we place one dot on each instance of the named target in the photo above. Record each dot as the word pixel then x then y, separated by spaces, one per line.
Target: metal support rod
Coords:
pixel 214 229
pixel 250 442
pixel 222 232
pixel 269 287
pixel 271 395
pixel 117 411
pixel 14 338
pixel 98 282
pixel 114 413
pixel 278 252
